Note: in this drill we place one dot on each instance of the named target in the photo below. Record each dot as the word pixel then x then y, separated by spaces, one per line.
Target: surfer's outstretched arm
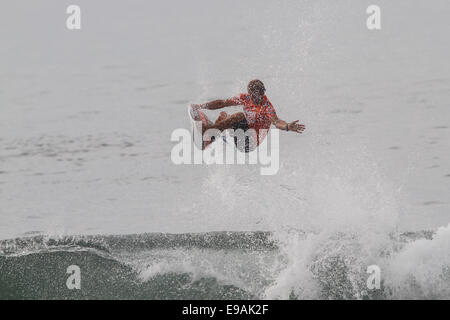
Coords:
pixel 291 126
pixel 216 104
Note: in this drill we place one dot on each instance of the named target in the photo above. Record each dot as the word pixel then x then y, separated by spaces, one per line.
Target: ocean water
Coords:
pixel 227 265
pixel 86 177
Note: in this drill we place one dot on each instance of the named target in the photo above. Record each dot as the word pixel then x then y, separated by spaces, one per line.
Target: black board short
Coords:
pixel 243 147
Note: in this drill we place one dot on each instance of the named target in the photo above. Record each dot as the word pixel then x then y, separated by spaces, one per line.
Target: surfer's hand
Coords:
pixel 196 106
pixel 294 126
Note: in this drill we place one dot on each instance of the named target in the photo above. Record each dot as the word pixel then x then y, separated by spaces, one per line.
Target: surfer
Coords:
pixel 258 114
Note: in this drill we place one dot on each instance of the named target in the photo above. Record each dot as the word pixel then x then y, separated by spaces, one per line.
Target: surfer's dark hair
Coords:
pixel 256 86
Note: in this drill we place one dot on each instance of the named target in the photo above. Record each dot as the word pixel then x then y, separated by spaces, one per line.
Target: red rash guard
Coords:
pixel 257 116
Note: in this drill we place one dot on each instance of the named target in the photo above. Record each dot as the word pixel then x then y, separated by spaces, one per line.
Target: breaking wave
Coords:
pixel 227 265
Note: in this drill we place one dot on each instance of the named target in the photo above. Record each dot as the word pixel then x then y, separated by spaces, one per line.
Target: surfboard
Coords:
pixel 198 119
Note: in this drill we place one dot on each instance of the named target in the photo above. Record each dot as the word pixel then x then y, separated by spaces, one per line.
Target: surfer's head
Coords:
pixel 256 91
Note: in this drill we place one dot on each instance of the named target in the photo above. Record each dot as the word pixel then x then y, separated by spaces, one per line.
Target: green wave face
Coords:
pixel 218 265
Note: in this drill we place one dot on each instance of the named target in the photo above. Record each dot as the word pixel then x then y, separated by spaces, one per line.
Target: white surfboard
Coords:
pixel 198 119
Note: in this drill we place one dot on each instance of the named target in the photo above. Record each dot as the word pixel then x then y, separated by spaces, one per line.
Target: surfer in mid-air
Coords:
pixel 258 114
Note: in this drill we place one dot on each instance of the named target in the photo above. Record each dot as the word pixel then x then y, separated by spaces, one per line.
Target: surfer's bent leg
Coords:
pixel 228 122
